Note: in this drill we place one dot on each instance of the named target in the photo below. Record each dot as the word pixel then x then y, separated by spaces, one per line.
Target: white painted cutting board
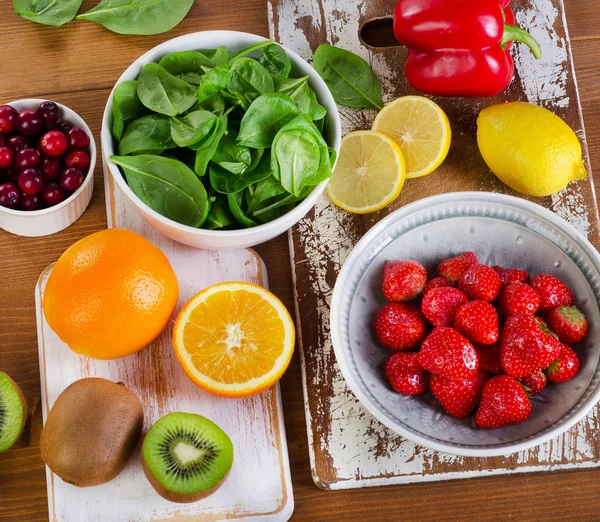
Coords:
pixel 259 485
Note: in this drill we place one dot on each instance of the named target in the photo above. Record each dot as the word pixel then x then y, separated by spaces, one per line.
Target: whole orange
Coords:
pixel 110 294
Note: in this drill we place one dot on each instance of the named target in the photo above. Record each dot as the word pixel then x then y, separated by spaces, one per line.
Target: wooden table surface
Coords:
pixel 77 65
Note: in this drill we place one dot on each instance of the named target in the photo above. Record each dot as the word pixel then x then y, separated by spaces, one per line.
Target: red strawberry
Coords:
pixel 565 367
pixel 552 291
pixel 440 305
pixel 510 276
pixel 451 269
pixel 405 374
pixel 518 298
pixel 489 357
pixel 480 282
pixel 458 398
pixel 568 323
pixel 403 280
pixel 400 326
pixel 436 282
pixel 447 353
pixel 478 322
pixel 534 383
pixel 525 347
pixel 503 402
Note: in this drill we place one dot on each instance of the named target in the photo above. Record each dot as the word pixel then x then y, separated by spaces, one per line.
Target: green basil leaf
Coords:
pixel 265 116
pixel 219 216
pixel 162 92
pixel 208 146
pixel 227 182
pixel 248 76
pixel 138 16
pixel 213 82
pixel 167 186
pixel 190 129
pixel 243 52
pixel 147 135
pixel 235 205
pixel 126 106
pixel 276 60
pixel 350 79
pixel 220 56
pixel 47 12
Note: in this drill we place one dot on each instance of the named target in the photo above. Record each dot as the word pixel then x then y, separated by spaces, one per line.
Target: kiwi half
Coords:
pixel 186 457
pixel 13 412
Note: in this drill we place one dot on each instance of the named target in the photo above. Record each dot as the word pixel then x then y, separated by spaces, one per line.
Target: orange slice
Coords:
pixel 234 339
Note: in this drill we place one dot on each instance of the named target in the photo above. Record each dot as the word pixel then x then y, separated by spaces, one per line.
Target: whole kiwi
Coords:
pixel 91 431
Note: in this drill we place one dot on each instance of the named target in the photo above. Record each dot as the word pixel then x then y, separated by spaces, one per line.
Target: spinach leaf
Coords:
pixel 288 199
pixel 225 182
pixel 288 85
pixel 232 156
pixel 248 76
pixel 186 65
pixel 220 56
pixel 188 130
pixel 162 92
pixel 216 105
pixel 47 12
pixel 304 97
pixel 166 186
pixel 219 216
pixel 138 16
pixel 276 60
pixel 264 191
pixel 214 81
pixel 208 146
pixel 126 106
pixel 265 116
pixel 147 135
pixel 350 79
pixel 235 205
pixel 243 52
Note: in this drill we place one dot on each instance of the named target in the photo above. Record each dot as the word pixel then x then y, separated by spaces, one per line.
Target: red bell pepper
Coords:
pixel 459 47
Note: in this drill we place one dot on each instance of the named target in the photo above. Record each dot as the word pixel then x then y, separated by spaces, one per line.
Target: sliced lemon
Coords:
pixel 369 173
pixel 421 129
pixel 234 339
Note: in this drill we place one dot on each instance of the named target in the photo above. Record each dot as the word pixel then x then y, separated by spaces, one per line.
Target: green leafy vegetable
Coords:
pixel 232 156
pixel 186 65
pixel 148 135
pixel 166 186
pixel 235 205
pixel 126 106
pixel 247 76
pixel 225 182
pixel 47 12
pixel 276 60
pixel 265 116
pixel 162 92
pixel 219 216
pixel 207 147
pixel 188 130
pixel 264 192
pixel 248 50
pixel 350 79
pixel 213 82
pixel 220 56
pixel 138 16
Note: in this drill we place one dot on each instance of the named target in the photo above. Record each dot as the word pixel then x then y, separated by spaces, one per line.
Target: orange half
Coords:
pixel 234 339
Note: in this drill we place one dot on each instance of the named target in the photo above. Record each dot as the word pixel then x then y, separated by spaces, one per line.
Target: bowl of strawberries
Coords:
pixel 469 323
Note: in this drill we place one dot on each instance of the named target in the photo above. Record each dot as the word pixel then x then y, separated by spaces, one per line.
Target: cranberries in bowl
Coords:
pixel 47 160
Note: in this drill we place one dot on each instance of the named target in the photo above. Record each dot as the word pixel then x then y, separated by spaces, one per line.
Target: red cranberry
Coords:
pixel 63 126
pixel 71 179
pixel 27 158
pixel 8 118
pixel 54 143
pixel 52 194
pixel 49 112
pixel 9 195
pixel 79 159
pixel 6 157
pixel 31 202
pixel 13 173
pixel 78 139
pixel 51 168
pixel 18 142
pixel 31 181
pixel 29 123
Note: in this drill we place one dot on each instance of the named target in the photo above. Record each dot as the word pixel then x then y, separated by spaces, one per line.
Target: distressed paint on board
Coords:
pixel 259 485
pixel 348 447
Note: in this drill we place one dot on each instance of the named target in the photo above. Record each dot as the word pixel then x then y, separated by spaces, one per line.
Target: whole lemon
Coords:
pixel 110 294
pixel 529 148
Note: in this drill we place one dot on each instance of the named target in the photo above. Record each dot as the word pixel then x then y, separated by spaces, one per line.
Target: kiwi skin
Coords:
pixel 180 498
pixel 92 431
pixel 23 403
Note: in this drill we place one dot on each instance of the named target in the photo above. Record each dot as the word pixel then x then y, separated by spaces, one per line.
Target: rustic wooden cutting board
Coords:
pixel 348 447
pixel 259 485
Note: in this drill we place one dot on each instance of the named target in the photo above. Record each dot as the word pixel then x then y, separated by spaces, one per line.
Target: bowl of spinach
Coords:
pixel 221 139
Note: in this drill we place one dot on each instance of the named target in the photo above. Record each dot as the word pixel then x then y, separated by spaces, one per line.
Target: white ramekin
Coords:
pixel 53 219
pixel 221 239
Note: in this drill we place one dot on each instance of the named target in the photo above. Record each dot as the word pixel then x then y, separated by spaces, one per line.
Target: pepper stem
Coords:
pixel 516 34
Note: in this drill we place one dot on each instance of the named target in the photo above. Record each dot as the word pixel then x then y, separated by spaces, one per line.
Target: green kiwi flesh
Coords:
pixel 13 412
pixel 186 457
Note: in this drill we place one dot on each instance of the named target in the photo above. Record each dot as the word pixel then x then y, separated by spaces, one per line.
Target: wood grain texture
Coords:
pixel 28 49
pixel 348 447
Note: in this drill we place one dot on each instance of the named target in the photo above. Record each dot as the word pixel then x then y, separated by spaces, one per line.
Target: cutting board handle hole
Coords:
pixel 378 33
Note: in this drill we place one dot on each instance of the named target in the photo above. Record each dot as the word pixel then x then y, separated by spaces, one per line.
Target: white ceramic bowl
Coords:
pixel 53 219
pixel 502 230
pixel 221 239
